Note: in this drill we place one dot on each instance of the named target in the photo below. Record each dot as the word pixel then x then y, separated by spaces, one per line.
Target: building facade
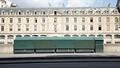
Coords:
pixel 60 22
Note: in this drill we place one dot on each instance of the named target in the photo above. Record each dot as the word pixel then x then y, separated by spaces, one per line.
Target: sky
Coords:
pixel 67 3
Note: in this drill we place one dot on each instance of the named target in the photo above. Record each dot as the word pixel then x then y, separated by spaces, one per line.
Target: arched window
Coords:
pixel 83 35
pixel 91 35
pixel 10 37
pixel 34 35
pixel 117 36
pixel 26 35
pixel 67 35
pixel 75 36
pixel 2 37
pixel 108 36
pixel 99 35
pixel 43 35
pixel 18 35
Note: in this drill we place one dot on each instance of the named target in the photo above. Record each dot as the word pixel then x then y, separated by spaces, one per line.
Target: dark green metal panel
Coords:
pixel 99 46
pixel 44 44
pixel 24 44
pixel 64 43
pixel 90 44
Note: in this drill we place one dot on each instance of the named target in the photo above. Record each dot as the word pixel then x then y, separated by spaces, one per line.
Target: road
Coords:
pixel 62 61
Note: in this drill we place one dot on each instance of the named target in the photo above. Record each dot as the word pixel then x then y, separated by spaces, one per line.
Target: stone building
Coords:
pixel 60 22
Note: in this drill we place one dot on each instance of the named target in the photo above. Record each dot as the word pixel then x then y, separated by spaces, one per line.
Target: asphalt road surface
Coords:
pixel 64 65
pixel 63 61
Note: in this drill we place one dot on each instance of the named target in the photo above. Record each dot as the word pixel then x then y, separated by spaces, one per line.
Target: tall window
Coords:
pixel 35 27
pixel 43 27
pixel 19 20
pixel 55 20
pixel 67 20
pixel 83 27
pixel 11 20
pixel 55 28
pixel 99 19
pixel 108 19
pixel 67 27
pixel 35 20
pixel 75 27
pixel 116 19
pixel 108 27
pixel 2 20
pixel 43 20
pixel 27 27
pixel 91 27
pixel 83 19
pixel 91 19
pixel 75 20
pixel 19 27
pixel 27 20
pixel 2 28
pixel 99 27
pixel 116 27
pixel 10 28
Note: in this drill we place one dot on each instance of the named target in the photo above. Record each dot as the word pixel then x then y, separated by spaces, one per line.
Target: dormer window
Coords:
pixel 19 13
pixel 44 13
pixel 28 12
pixel 35 13
pixel 55 12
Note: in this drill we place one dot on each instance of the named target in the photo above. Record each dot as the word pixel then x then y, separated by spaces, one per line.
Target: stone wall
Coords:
pixel 8 49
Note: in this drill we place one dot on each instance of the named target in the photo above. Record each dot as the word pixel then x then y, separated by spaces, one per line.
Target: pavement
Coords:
pixel 60 55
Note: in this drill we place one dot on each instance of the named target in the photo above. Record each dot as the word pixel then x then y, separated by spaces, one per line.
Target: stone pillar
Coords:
pixel 113 39
pixel 104 38
pixel 6 40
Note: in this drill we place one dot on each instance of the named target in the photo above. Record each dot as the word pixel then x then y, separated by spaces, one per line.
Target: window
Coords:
pixel 28 12
pixel 10 36
pixel 99 19
pixel 35 20
pixel 83 27
pixel 43 20
pixel 116 27
pixel 19 27
pixel 27 27
pixel 75 27
pixel 116 19
pixel 108 19
pixel 91 27
pixel 11 20
pixel 99 27
pixel 2 28
pixel 67 27
pixel 19 20
pixel 55 28
pixel 27 20
pixel 44 13
pixel 108 27
pixel 35 13
pixel 83 19
pixel 19 13
pixel 108 36
pixel 2 20
pixel 10 28
pixel 43 27
pixel 35 27
pixel 91 19
pixel 75 20
pixel 55 12
pixel 55 20
pixel 67 19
